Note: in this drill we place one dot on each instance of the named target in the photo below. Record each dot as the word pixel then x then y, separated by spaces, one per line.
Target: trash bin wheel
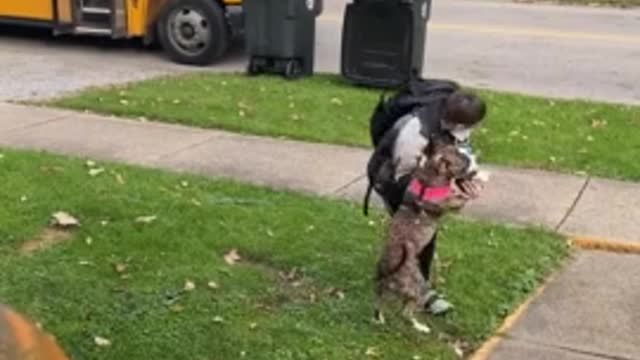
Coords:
pixel 293 69
pixel 256 66
pixel 193 32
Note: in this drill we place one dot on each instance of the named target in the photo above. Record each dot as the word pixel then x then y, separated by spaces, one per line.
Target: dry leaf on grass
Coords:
pixel 95 172
pixel 102 342
pixel 372 352
pixel 120 268
pixel 176 308
pixel 119 178
pixel 232 257
pixel 212 285
pixel 146 219
pixel 189 285
pixel 64 220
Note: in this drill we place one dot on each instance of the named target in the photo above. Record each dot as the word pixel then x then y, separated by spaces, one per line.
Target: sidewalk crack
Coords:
pixel 181 150
pixel 345 186
pixel 574 204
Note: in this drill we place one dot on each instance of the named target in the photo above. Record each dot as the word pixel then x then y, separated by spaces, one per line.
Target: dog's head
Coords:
pixel 446 161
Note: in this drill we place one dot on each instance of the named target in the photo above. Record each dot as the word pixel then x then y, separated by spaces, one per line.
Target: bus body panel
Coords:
pixel 39 10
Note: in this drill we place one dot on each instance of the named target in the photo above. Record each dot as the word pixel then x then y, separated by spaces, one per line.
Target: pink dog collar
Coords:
pixel 429 193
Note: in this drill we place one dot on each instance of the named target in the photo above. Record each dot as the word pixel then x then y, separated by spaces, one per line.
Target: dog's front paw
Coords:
pixel 420 327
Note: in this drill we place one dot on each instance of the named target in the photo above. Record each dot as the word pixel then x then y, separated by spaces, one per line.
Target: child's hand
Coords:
pixel 469 188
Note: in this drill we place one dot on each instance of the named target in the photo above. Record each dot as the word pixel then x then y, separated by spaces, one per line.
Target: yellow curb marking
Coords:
pixel 592 243
pixel 580 242
pixel 489 346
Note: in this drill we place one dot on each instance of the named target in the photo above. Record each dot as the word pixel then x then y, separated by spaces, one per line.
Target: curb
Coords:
pixel 610 245
pixel 576 241
pixel 488 347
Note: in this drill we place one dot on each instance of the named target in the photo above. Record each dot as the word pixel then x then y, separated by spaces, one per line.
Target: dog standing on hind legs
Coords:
pixel 410 230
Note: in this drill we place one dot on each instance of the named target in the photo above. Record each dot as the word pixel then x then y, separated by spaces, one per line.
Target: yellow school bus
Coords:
pixel 194 32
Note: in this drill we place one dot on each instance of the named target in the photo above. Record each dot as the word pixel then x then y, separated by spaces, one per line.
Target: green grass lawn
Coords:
pixel 123 280
pixel 570 136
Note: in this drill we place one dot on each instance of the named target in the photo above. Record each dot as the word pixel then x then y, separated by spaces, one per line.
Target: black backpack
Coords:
pixel 416 93
pixel 423 97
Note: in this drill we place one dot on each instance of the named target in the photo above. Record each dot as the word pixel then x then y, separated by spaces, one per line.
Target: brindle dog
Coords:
pixel 427 198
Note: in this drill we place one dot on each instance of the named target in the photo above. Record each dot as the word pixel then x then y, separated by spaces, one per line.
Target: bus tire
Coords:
pixel 193 32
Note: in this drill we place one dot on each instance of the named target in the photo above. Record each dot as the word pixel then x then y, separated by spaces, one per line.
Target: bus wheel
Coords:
pixel 193 31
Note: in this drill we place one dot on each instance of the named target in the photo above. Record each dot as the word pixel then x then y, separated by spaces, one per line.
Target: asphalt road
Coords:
pixel 574 52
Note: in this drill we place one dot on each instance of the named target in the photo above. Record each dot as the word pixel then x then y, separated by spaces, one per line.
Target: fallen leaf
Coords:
pixel 124 102
pixel 336 101
pixel 176 308
pixel 232 257
pixel 102 342
pixel 514 133
pixel 196 202
pixel 598 123
pixel 295 117
pixel 590 138
pixel 104 222
pixel 177 101
pixel 552 159
pixel 64 220
pixel 241 113
pixel 270 233
pixel 90 163
pixel 189 286
pixel 146 219
pixel 23 198
pixel 218 319
pixel 84 262
pixel 88 240
pixel 120 268
pixel 253 326
pixel 119 179
pixel 292 105
pixel 184 184
pixel 95 172
pixel 1 156
pixel 372 352
pixel 212 285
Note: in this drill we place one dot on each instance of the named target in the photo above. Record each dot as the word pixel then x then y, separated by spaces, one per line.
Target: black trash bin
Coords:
pixel 383 41
pixel 280 35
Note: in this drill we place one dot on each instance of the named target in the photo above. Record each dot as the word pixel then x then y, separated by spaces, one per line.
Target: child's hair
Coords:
pixel 465 109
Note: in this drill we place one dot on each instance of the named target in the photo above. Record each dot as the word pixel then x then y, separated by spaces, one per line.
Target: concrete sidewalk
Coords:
pixel 589 311
pixel 594 208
